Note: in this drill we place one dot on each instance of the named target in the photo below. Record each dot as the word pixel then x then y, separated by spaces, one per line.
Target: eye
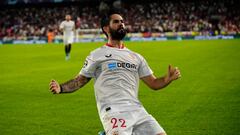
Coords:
pixel 115 21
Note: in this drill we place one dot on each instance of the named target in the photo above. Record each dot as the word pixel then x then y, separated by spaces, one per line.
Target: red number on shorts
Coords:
pixel 115 120
pixel 123 122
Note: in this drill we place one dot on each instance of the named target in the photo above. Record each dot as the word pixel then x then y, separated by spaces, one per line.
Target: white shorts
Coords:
pixel 68 39
pixel 137 122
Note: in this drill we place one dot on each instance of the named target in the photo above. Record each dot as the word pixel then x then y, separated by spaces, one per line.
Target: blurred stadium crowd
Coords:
pixel 207 17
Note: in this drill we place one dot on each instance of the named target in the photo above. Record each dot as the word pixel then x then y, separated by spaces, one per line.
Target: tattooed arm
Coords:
pixel 69 86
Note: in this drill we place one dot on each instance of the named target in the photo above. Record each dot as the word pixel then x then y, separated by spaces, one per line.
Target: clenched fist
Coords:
pixel 173 73
pixel 54 87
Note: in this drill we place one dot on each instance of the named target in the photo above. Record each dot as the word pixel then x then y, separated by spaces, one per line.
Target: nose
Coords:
pixel 121 25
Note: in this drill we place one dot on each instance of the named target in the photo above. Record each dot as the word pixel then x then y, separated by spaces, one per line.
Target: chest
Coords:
pixel 68 25
pixel 119 61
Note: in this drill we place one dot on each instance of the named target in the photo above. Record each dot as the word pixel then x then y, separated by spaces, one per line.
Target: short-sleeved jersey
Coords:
pixel 116 74
pixel 68 27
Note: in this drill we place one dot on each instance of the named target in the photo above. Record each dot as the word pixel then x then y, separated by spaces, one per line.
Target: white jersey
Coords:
pixel 116 73
pixel 68 27
pixel 68 31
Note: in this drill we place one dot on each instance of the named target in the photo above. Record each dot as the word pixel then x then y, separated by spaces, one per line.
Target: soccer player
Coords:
pixel 116 71
pixel 68 28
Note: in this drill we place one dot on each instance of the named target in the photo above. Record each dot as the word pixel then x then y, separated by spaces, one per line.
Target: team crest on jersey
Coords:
pixel 85 64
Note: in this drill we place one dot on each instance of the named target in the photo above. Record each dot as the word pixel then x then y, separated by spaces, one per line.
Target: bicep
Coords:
pixel 61 26
pixel 89 67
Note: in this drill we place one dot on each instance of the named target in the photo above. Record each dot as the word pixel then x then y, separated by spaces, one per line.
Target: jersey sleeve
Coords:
pixel 144 69
pixel 74 26
pixel 61 26
pixel 89 67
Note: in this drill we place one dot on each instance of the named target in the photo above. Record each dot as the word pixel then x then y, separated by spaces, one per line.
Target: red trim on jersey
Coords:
pixel 120 47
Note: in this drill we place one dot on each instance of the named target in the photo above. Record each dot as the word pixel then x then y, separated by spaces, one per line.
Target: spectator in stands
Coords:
pixel 50 36
pixel 204 17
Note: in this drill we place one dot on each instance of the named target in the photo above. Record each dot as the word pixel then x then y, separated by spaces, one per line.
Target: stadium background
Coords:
pixel 204 44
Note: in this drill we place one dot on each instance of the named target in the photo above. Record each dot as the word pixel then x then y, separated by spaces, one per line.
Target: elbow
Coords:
pixel 155 88
pixel 158 85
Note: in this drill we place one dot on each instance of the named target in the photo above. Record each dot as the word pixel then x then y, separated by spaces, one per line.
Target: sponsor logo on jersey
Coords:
pixel 115 65
pixel 112 66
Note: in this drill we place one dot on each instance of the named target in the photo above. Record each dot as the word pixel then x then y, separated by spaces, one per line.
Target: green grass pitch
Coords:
pixel 205 101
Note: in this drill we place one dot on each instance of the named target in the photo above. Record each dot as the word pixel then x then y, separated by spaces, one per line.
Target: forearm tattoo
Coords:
pixel 74 84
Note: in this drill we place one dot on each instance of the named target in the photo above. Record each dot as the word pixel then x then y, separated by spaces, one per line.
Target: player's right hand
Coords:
pixel 54 87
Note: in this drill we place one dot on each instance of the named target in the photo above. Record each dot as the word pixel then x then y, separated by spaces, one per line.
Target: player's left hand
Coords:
pixel 173 73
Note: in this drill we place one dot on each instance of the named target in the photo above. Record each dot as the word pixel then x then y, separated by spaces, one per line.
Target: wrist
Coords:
pixel 167 79
pixel 61 89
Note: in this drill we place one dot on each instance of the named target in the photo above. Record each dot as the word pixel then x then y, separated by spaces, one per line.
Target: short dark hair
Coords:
pixel 106 20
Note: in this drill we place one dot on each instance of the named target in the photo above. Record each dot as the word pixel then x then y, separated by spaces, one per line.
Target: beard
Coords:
pixel 118 34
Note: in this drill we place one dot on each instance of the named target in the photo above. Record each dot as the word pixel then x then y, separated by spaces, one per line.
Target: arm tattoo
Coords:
pixel 74 84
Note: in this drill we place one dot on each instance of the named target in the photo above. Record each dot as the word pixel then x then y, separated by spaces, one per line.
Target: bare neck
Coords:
pixel 115 43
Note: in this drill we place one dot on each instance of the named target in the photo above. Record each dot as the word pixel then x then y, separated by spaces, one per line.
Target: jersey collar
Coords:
pixel 109 45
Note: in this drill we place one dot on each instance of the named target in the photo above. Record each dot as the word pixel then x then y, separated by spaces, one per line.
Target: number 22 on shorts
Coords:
pixel 115 122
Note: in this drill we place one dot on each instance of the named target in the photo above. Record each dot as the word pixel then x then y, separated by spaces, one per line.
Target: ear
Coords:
pixel 106 29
